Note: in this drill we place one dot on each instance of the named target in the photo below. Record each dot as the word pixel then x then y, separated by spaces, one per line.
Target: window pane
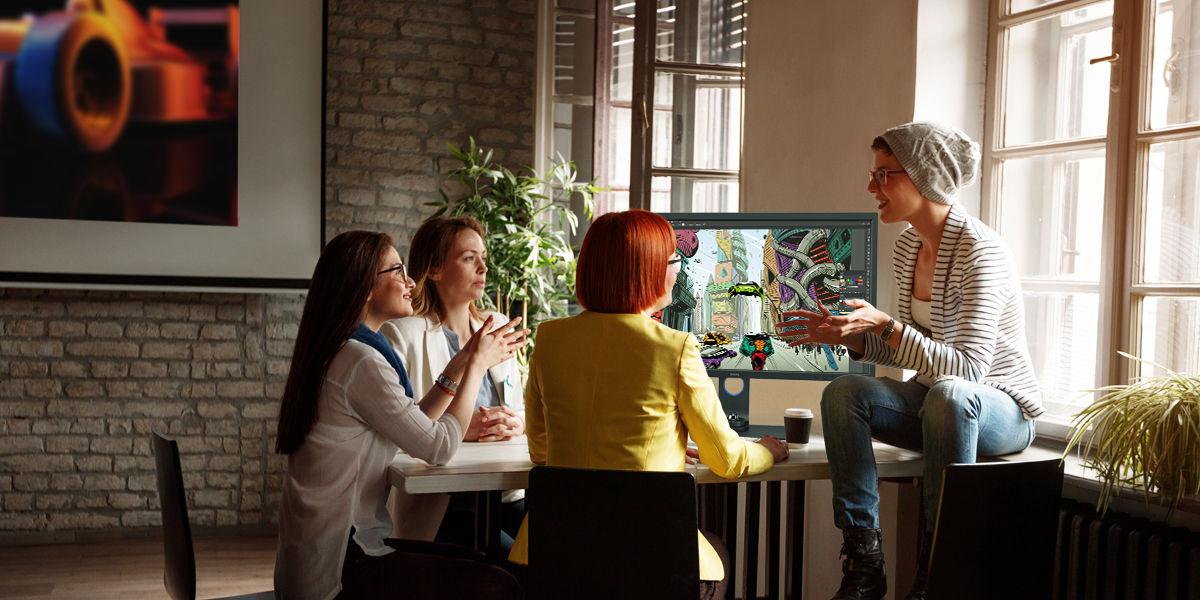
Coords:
pixel 617 163
pixel 1169 334
pixel 685 194
pixel 611 201
pixel 1052 210
pixel 622 56
pixel 1172 228
pixel 1051 91
pixel 1174 78
pixel 567 142
pixel 1020 5
pixel 574 49
pixel 1088 12
pixel 697 121
pixel 1061 330
pixel 703 31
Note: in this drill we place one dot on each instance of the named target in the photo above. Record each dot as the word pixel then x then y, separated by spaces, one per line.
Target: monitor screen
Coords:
pixel 741 271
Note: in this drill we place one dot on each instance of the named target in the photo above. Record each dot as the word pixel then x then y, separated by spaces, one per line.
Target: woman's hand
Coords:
pixel 494 424
pixel 490 347
pixel 807 327
pixel 779 450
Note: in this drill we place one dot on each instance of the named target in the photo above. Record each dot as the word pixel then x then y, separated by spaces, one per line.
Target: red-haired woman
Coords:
pixel 622 391
pixel 346 409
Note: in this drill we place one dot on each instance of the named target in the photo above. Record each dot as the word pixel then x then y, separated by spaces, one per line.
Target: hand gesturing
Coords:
pixel 807 327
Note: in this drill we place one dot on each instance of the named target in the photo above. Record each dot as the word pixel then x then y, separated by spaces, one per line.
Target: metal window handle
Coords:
pixel 1171 69
pixel 645 118
pixel 1114 57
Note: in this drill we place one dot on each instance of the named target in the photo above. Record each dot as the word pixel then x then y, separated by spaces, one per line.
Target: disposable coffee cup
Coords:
pixel 797 424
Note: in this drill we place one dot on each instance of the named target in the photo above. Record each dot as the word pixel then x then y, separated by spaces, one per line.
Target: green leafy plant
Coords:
pixel 530 257
pixel 1143 435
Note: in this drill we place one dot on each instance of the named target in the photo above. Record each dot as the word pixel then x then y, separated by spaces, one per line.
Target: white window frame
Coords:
pixel 1126 145
pixel 645 25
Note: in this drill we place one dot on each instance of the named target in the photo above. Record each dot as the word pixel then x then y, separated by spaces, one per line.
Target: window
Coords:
pixel 679 152
pixel 1092 174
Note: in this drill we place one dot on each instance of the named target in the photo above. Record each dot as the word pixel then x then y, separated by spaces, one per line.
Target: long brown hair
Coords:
pixel 430 247
pixel 344 277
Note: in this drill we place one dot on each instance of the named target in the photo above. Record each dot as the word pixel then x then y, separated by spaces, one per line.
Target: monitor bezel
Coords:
pixel 748 220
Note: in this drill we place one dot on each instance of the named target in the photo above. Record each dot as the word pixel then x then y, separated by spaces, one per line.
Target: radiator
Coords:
pixel 1119 557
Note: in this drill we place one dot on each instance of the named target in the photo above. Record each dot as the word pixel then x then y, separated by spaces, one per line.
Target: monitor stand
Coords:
pixel 735 405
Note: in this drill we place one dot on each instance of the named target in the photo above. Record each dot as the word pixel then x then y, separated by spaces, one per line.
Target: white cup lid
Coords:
pixel 797 412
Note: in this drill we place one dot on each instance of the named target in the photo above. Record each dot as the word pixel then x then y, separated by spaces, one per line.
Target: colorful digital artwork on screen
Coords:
pixel 122 110
pixel 735 284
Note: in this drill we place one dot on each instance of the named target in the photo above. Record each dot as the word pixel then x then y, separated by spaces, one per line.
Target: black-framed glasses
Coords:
pixel 399 269
pixel 674 261
pixel 880 175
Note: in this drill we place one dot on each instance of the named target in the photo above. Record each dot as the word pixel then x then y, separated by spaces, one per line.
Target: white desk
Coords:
pixel 491 467
pixel 478 467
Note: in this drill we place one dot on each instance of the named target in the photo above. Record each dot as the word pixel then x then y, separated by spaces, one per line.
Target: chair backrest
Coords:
pixel 179 575
pixel 612 534
pixel 995 532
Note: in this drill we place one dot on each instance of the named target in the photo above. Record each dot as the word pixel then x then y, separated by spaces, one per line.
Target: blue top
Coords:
pixel 487 390
pixel 376 340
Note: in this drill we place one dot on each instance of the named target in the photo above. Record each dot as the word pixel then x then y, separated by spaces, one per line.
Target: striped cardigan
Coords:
pixel 977 315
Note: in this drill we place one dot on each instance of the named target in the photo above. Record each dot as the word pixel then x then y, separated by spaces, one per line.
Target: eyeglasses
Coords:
pixel 880 175
pixel 674 261
pixel 398 269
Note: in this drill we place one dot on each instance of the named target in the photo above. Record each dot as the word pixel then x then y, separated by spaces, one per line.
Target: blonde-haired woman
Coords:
pixel 448 261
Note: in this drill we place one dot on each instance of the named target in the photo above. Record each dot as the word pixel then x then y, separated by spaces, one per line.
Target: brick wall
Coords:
pixel 85 375
pixel 405 78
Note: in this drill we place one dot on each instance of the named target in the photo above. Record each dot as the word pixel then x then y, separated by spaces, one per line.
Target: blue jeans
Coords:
pixel 952 422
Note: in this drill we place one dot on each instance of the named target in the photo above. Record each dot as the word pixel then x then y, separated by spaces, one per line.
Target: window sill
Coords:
pixel 1053 427
pixel 1084 484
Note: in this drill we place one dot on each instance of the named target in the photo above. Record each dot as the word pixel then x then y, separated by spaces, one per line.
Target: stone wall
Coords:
pixel 85 375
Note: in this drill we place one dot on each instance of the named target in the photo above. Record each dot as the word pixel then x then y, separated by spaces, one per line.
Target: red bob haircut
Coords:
pixel 623 262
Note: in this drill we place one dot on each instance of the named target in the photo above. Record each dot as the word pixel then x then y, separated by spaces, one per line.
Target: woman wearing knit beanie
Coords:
pixel 959 324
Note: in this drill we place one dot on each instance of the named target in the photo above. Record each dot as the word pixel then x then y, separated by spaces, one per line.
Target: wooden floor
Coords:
pixel 127 569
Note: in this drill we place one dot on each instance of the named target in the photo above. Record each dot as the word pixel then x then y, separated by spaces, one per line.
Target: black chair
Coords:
pixel 995 531
pixel 179 576
pixel 612 534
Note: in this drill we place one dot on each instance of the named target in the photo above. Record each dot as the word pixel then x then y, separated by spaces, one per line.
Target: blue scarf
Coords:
pixel 376 340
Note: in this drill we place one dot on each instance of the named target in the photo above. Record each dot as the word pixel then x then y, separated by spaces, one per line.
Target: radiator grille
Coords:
pixel 1119 557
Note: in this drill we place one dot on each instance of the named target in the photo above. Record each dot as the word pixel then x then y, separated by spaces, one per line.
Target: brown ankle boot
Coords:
pixel 863 575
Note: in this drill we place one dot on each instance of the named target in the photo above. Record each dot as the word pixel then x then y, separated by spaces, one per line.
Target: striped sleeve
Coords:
pixel 977 316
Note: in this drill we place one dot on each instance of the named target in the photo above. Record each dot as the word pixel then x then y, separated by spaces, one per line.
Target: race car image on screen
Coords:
pixel 79 75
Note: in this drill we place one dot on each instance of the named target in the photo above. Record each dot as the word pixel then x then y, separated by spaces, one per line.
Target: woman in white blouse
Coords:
pixel 448 261
pixel 959 324
pixel 346 409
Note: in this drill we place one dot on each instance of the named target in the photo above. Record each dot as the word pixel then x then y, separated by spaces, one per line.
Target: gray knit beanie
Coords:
pixel 939 159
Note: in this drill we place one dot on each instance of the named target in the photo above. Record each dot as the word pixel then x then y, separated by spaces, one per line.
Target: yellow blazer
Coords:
pixel 622 391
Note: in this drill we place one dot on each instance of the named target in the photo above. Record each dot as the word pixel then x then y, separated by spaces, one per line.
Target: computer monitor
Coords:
pixel 741 271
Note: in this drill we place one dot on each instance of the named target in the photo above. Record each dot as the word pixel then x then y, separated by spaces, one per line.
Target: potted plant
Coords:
pixel 530 256
pixel 1145 435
